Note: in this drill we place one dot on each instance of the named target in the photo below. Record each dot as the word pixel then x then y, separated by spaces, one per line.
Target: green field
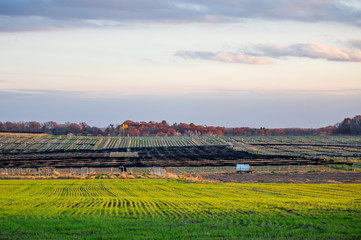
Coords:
pixel 175 209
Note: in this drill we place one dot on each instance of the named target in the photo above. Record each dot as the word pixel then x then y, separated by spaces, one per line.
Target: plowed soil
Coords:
pixel 321 177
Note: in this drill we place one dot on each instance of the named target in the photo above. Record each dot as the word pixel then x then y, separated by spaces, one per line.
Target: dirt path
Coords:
pixel 325 177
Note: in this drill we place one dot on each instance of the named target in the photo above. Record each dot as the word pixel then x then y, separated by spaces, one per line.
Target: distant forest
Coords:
pixel 349 126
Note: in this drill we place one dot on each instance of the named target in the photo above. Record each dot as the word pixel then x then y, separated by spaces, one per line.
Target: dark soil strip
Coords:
pixel 326 177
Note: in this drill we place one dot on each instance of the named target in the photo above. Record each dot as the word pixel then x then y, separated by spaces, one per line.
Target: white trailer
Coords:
pixel 243 168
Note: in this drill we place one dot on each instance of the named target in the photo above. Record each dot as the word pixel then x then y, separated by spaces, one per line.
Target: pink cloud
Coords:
pixel 311 50
pixel 229 57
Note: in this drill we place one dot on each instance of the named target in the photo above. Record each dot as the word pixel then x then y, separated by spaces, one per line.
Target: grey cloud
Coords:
pixel 50 92
pixel 33 23
pixel 310 50
pixel 91 9
pixel 294 92
pixel 177 11
pixel 229 57
pixel 356 43
pixel 272 109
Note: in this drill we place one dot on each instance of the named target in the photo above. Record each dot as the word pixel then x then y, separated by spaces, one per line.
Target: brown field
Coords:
pixel 318 177
pixel 24 134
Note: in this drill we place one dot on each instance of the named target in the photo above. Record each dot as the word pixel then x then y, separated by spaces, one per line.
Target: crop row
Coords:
pixel 307 150
pixel 270 145
pixel 48 143
pixel 333 139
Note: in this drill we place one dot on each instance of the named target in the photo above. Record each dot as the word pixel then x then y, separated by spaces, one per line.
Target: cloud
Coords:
pixel 50 92
pixel 229 57
pixel 288 92
pixel 310 50
pixel 77 12
pixel 272 109
pixel 356 43
pixel 34 23
pixel 260 54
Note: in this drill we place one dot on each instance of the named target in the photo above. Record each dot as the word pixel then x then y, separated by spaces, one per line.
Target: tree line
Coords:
pixel 350 126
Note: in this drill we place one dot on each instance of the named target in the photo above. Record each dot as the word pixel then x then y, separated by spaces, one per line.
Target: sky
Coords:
pixel 254 63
